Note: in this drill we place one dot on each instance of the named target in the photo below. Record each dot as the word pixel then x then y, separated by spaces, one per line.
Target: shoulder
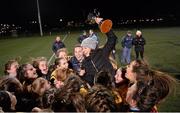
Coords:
pixel 98 50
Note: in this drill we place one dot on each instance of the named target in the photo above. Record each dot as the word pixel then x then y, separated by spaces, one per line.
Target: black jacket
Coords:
pixel 139 43
pixel 81 38
pixel 57 45
pixel 99 60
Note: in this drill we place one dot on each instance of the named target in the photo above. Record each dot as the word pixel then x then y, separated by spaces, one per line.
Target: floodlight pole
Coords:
pixel 39 18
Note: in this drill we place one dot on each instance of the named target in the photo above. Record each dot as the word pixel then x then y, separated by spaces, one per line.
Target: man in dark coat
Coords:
pixel 58 44
pixel 82 37
pixel 139 43
pixel 97 60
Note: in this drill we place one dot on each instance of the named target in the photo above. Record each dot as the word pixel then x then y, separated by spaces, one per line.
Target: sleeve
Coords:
pixel 143 42
pixel 54 48
pixel 63 45
pixel 134 41
pixel 110 44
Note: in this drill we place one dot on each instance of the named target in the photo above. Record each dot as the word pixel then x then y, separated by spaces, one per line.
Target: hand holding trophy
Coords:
pixel 104 25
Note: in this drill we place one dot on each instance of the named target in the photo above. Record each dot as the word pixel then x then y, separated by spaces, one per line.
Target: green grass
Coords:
pixel 162 51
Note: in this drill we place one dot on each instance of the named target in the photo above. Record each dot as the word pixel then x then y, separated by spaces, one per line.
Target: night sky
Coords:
pixel 21 11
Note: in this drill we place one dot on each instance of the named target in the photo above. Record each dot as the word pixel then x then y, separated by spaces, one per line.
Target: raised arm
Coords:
pixel 111 42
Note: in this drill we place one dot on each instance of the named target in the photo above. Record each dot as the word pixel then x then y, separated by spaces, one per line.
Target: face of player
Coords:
pixel 78 53
pixel 64 64
pixel 13 69
pixel 118 77
pixel 86 51
pixel 129 72
pixel 30 71
pixel 62 55
pixel 43 67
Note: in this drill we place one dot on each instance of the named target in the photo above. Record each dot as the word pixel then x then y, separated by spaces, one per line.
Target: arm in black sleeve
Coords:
pixel 110 44
pixel 144 41
pixel 134 41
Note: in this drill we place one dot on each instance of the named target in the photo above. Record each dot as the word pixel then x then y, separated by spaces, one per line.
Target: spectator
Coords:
pixel 93 36
pixel 139 43
pixel 127 45
pixel 58 44
pixel 82 37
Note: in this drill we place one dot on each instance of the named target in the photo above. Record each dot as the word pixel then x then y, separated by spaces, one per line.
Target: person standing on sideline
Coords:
pixel 127 45
pixel 82 37
pixel 139 43
pixel 93 35
pixel 58 44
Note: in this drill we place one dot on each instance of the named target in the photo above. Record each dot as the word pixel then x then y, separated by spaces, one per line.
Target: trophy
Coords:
pixel 105 25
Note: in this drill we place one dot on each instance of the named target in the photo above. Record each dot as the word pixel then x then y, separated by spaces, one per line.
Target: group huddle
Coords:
pixel 88 81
